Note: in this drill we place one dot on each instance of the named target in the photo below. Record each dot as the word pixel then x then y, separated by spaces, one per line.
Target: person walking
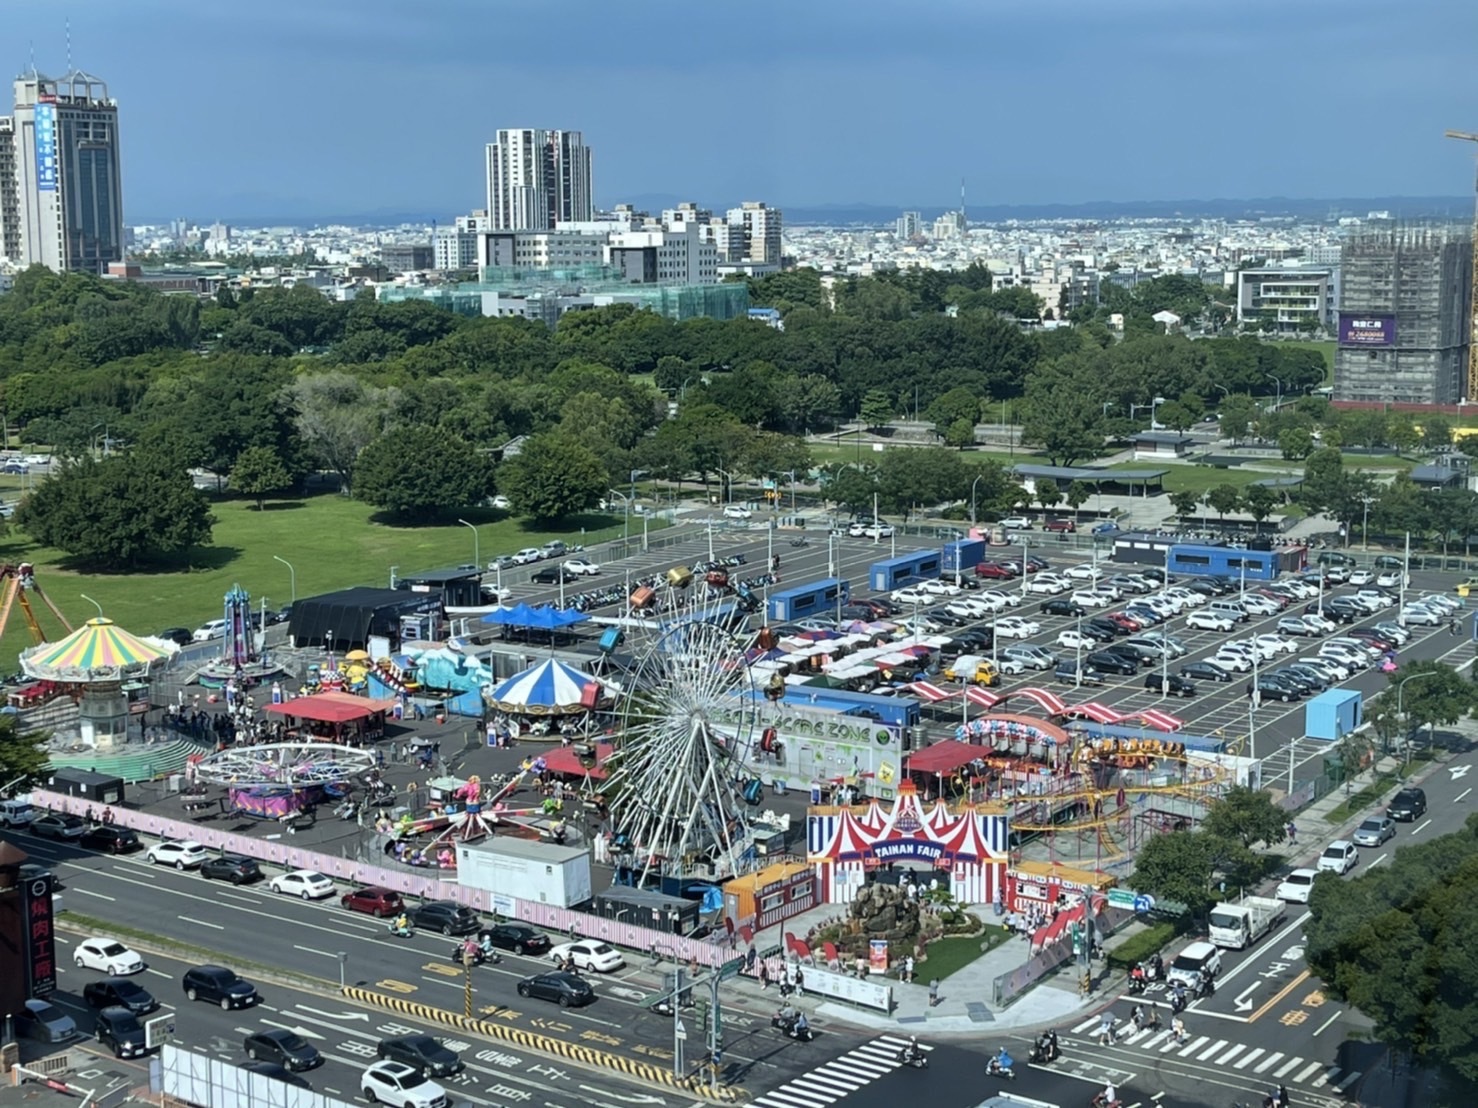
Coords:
pixel 908 969
pixel 1292 833
pixel 764 977
pixel 933 992
pixel 1106 1029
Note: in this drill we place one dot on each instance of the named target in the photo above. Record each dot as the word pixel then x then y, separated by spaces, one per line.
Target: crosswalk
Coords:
pixel 1287 1069
pixel 840 1077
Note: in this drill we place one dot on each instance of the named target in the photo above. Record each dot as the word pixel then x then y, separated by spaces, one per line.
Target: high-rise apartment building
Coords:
pixel 61 182
pixel 754 234
pixel 456 246
pixel 1403 328
pixel 909 226
pixel 538 179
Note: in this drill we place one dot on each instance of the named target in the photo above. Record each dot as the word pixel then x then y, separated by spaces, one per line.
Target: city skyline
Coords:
pixel 314 109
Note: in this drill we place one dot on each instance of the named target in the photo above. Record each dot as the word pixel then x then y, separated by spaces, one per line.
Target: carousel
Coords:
pixel 98 662
pixel 547 699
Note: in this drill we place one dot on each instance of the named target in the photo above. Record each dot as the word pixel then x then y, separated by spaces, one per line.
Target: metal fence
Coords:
pixel 1010 986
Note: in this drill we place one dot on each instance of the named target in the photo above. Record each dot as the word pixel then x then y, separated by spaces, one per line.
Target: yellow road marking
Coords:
pixel 1283 992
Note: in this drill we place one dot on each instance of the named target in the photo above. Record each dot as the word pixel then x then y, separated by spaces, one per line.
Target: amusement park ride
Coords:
pixel 20 581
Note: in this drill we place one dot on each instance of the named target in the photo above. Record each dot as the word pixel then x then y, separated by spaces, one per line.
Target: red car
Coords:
pixel 993 569
pixel 1129 623
pixel 375 901
pixel 1061 526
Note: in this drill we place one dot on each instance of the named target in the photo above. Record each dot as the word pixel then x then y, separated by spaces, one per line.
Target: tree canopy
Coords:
pixel 420 473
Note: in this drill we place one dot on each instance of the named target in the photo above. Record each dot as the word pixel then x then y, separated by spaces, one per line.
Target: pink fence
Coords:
pixel 407 883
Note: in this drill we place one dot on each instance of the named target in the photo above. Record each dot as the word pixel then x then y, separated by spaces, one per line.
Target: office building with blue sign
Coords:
pixel 61 182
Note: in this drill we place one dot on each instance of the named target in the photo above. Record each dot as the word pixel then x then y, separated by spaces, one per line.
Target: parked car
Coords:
pixel 287 1048
pixel 1076 640
pixel 588 954
pixel 211 629
pixel 108 956
pixel 1016 523
pixel 306 884
pixel 57 825
pixel 517 937
pixel 180 636
pixel 1173 684
pixel 119 992
pixel 553 575
pixel 1339 856
pixel 119 1030
pixel 1297 886
pixel 1105 662
pixel 111 839
pixel 1016 627
pixel 180 853
pixel 527 555
pixel 1205 671
pixel 374 901
pixel 400 1086
pixel 1060 526
pixel 44 1022
pixel 581 567
pixel 446 916
pixel 232 868
pixel 568 990
pixel 1067 672
pixel 1408 804
pixel 1374 831
pixel 219 985
pixel 1060 607
pixel 994 569
pixel 424 1054
pixel 1269 689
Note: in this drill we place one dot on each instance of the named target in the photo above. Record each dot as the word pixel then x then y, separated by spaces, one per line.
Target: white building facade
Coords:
pixel 538 178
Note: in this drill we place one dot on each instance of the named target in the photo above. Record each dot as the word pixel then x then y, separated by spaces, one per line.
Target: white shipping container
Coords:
pixel 541 872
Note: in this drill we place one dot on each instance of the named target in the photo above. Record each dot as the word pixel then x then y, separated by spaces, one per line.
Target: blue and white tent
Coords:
pixel 549 688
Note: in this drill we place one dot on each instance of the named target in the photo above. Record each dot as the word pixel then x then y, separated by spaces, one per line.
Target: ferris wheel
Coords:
pixel 682 779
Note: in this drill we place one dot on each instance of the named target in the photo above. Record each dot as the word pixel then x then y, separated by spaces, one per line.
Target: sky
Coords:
pixel 307 107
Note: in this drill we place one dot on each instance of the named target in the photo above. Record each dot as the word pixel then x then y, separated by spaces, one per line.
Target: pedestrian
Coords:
pixel 800 982
pixel 764 976
pixel 1453 627
pixel 1292 833
pixel 1106 1029
pixel 1177 1030
pixel 933 991
pixel 908 969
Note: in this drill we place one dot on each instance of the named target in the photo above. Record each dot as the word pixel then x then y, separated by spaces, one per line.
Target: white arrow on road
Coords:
pixel 1244 1002
pixel 625 993
pixel 299 1030
pixel 640 1099
pixel 337 1015
pixel 1459 771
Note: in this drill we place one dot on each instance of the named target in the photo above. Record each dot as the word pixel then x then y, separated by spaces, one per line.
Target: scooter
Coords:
pixel 1136 985
pixel 459 955
pixel 1178 1002
pixel 994 1068
pixel 908 1056
pixel 401 932
pixel 798 543
pixel 1045 1050
pixel 792 1028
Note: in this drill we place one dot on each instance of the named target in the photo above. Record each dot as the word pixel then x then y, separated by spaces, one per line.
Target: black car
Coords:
pixel 1205 671
pixel 232 868
pixel 446 916
pixel 1290 676
pixel 517 937
pixel 1130 653
pixel 1058 606
pixel 275 1072
pixel 973 640
pixel 1174 683
pixel 422 1053
pixel 219 985
pixel 1104 625
pixel 286 1048
pixel 947 619
pixel 1205 588
pixel 180 636
pixel 1036 563
pixel 1269 688
pixel 121 1032
pixel 111 839
pixel 1407 805
pixel 568 990
pixel 119 992
pixel 1105 662
pixel 552 575
pixel 1067 672
pixel 1377 639
pixel 1317 679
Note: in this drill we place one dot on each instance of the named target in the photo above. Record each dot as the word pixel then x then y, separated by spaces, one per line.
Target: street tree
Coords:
pixel 1431 692
pixel 23 754
pixel 1238 412
pixel 850 487
pixel 127 511
pixel 1259 500
pixel 1295 443
pixel 877 409
pixel 957 404
pixel 553 476
pixel 1047 493
pixel 259 473
pixel 1185 502
pixel 923 476
pixel 960 434
pixel 1175 415
pixel 1077 494
pixel 1176 865
pixel 1225 498
pixel 1246 816
pixel 337 416
pixel 421 473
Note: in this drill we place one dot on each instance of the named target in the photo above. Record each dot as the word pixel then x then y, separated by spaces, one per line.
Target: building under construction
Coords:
pixel 1404 323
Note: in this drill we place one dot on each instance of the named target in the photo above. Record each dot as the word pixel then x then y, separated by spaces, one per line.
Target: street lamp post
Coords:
pixel 1278 400
pixel 728 490
pixel 292 576
pixel 1365 503
pixel 476 543
pixel 972 499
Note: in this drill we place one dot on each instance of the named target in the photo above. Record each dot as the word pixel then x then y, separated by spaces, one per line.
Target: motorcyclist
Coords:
pixel 402 924
pixel 802 1028
pixel 1136 978
pixel 787 1015
pixel 1158 965
pixel 1002 1061
pixel 1107 1097
pixel 471 952
pixel 911 1051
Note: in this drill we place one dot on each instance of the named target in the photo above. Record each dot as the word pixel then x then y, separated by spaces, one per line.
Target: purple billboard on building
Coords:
pixel 1366 329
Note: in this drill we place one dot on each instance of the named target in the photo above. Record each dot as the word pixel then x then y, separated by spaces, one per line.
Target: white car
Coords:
pixel 1327 668
pixel 940 588
pixel 581 567
pixel 212 629
pixel 501 502
pixel 1015 627
pixel 1084 572
pixel 108 955
pixel 400 1086
pixel 1236 663
pixel 1016 523
pixel 527 556
pixel 999 599
pixel 1321 623
pixel 877 531
pixel 1441 602
pixel 1027 654
pixel 1361 577
pixel 180 853
pixel 1391 579
pixel 305 883
pixel 1045 583
pixel 589 954
pixel 1189 598
pixel 1421 615
pixel 733 511
pixel 1209 621
pixel 1091 598
pixel 968 607
pixel 1339 856
pixel 1296 887
pixel 911 594
pixel 1076 640
pixel 1277 644
pixel 1259 605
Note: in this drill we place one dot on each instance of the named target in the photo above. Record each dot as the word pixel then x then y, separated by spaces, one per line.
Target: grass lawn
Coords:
pixel 1204 478
pixel 331 541
pixel 947 956
pixel 1376 461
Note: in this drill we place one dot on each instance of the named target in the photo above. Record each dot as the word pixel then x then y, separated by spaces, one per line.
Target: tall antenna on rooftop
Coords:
pixel 69 44
pixel 32 45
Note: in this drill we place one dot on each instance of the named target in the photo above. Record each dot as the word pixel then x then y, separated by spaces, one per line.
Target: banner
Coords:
pixel 46 173
pixel 1366 329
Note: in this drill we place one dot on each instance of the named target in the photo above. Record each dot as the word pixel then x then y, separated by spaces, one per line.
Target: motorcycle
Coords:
pixel 1178 1001
pixel 459 955
pixel 401 932
pixel 995 1068
pixel 1136 984
pixel 915 1058
pixel 1045 1050
pixel 798 543
pixel 791 1027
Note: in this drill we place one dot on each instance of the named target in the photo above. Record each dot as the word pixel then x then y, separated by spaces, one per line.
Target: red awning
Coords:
pixel 330 707
pixel 943 757
pixel 563 759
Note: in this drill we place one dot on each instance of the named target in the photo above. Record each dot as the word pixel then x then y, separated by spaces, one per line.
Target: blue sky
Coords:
pixel 316 106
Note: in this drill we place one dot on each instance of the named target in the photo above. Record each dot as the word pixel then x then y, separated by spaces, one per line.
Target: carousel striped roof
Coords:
pixel 99 645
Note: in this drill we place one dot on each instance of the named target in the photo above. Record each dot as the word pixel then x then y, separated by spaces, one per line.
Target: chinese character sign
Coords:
pixel 39 940
pixel 46 169
pixel 1366 329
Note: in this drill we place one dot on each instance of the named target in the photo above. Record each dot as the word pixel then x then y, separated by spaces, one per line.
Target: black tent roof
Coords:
pixel 353 615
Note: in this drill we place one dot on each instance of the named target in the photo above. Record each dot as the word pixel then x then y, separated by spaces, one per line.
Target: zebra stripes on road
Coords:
pixel 1290 1069
pixel 840 1077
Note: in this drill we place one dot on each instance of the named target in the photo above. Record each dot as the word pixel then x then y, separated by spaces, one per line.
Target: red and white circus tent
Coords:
pixel 962 847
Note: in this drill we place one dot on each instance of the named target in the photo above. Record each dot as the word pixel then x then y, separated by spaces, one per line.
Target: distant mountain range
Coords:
pixel 255 211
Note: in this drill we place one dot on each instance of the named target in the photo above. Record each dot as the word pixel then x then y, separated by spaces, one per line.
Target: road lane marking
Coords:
pixel 296 1030
pixel 89 892
pixel 1420 827
pixel 1330 1020
pixel 1303 1075
pixel 1458 799
pixel 159 973
pixel 1292 1063
pixel 1269 1062
pixel 1243 1062
pixel 1377 862
pixel 1279 995
pixel 1347 1082
pixel 315 950
pixel 202 923
pixel 1295 925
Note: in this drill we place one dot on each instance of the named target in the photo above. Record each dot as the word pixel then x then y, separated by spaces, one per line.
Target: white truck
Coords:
pixel 1240 923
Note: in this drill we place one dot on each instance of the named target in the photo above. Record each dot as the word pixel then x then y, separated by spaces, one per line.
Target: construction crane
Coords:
pixel 19 581
pixel 1472 394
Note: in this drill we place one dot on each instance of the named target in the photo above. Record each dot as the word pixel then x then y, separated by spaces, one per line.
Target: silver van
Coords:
pixel 1232 609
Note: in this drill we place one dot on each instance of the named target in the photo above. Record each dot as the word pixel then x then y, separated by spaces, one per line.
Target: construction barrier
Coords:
pixel 642 1071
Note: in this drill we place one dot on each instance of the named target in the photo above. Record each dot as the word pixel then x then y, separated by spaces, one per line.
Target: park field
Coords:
pixel 332 542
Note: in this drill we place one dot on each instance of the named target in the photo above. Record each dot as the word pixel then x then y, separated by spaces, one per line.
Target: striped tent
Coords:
pixel 99 648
